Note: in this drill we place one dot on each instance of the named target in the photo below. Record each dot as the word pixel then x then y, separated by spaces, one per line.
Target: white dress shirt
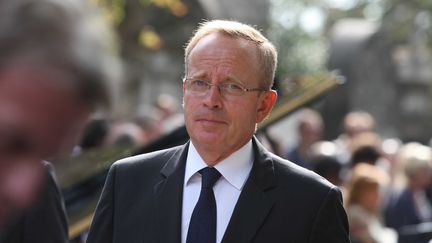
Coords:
pixel 234 170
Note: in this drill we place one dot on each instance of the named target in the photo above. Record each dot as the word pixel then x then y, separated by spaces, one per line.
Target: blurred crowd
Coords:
pixel 149 124
pixel 387 184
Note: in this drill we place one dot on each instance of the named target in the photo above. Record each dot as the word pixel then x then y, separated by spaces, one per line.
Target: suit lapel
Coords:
pixel 168 197
pixel 253 205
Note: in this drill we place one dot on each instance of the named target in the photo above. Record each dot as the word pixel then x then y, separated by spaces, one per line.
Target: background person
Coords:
pixel 355 123
pixel 55 69
pixel 410 207
pixel 364 200
pixel 309 128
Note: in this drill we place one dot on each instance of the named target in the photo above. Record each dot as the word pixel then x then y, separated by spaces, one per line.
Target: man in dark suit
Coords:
pixel 222 185
pixel 409 211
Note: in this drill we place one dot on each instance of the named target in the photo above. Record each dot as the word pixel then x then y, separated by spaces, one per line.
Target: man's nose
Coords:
pixel 213 98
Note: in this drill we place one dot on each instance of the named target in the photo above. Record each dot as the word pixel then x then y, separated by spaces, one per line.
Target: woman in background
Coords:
pixel 363 205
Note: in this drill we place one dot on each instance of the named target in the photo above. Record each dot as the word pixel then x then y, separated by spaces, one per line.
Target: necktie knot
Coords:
pixel 209 177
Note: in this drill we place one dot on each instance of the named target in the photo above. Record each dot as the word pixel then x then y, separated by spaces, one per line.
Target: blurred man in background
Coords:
pixel 310 129
pixel 55 64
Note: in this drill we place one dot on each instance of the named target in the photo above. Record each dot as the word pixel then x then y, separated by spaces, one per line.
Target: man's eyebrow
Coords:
pixel 203 75
pixel 199 74
pixel 196 77
pixel 232 78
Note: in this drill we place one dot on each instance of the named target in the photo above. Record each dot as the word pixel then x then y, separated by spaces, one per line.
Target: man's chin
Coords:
pixel 210 138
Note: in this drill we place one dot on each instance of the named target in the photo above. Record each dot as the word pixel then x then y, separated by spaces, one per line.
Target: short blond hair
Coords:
pixel 267 54
pixel 364 177
pixel 415 158
pixel 357 122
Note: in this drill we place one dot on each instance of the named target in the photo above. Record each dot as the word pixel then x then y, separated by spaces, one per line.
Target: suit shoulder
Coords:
pixel 148 160
pixel 289 172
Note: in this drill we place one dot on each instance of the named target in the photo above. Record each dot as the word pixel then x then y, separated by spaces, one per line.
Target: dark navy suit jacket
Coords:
pixel 280 202
pixel 401 212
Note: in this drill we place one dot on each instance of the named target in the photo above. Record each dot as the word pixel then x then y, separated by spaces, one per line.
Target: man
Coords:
pixel 409 209
pixel 257 196
pixel 309 127
pixel 53 73
pixel 355 123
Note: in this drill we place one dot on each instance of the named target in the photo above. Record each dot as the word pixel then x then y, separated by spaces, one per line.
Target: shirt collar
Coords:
pixel 235 168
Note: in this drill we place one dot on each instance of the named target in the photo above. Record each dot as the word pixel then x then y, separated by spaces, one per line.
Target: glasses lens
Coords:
pixel 199 86
pixel 232 89
pixel 196 85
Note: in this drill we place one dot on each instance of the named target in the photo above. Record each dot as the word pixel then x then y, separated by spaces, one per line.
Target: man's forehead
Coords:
pixel 232 57
pixel 220 39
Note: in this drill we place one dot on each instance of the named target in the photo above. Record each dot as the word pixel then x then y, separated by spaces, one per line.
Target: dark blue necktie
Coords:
pixel 202 226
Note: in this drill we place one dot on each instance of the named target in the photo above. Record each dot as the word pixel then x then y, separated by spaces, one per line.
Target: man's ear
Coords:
pixel 184 86
pixel 266 102
pixel 184 92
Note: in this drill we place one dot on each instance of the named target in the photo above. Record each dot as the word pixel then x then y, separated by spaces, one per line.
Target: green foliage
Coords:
pixel 302 52
pixel 114 10
pixel 299 53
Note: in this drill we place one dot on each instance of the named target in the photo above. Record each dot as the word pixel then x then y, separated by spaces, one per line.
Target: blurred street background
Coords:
pixel 377 52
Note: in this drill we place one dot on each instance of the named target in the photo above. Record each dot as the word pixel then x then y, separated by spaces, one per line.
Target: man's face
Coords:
pixel 219 124
pixel 38 118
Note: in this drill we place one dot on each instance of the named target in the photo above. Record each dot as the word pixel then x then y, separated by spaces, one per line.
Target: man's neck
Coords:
pixel 212 156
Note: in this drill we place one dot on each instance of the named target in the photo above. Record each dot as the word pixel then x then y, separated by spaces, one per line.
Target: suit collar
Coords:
pixel 263 169
pixel 250 211
pixel 175 161
pixel 168 196
pixel 235 168
pixel 254 204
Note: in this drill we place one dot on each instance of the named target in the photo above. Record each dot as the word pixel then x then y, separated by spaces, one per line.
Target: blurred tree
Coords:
pixel 151 36
pixel 299 28
pixel 302 48
pixel 380 45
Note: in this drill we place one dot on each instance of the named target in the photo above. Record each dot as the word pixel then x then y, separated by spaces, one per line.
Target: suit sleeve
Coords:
pixel 102 227
pixel 331 224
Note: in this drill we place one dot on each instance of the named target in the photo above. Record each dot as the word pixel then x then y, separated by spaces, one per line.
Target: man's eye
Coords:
pixel 232 86
pixel 199 83
pixel 15 146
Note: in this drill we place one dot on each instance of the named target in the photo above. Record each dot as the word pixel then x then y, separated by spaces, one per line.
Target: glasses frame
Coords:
pixel 218 86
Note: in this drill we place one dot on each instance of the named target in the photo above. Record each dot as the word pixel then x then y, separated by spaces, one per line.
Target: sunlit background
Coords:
pixel 379 50
pixel 381 47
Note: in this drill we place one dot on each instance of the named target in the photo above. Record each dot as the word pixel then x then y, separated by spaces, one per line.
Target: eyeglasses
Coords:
pixel 200 87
